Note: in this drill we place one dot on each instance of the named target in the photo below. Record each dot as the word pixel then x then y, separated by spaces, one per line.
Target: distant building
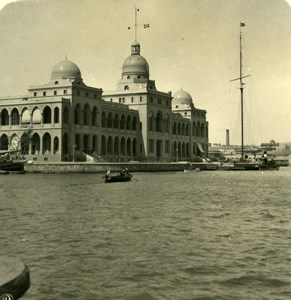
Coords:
pixel 67 120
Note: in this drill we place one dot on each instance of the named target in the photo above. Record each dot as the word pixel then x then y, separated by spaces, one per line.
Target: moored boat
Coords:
pixel 9 165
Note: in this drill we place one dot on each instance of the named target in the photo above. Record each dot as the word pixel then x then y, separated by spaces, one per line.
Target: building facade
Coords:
pixel 66 120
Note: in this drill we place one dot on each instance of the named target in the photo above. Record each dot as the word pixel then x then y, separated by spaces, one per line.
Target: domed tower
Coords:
pixel 182 100
pixel 135 71
pixel 135 65
pixel 66 70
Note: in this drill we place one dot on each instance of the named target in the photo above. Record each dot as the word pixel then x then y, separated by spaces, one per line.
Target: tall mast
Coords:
pixel 241 87
pixel 241 91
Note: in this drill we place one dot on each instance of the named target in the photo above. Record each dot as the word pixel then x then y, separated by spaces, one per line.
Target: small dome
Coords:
pixel 66 70
pixel 182 98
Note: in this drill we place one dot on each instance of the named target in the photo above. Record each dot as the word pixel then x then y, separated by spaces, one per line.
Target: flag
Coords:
pixel 242 24
pixel 146 25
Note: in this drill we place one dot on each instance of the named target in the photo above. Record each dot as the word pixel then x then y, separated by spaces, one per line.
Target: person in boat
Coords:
pixel 124 172
pixel 107 175
pixel 265 157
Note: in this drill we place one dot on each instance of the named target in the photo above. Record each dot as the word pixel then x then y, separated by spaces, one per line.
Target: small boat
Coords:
pixel 6 164
pixel 124 175
pixel 118 178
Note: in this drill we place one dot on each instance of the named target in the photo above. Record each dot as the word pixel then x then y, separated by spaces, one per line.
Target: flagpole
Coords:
pixel 135 25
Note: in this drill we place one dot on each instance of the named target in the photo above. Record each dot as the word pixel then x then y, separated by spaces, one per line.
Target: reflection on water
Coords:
pixel 206 235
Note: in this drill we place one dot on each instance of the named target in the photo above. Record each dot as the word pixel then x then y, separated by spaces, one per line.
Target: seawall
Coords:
pixel 89 167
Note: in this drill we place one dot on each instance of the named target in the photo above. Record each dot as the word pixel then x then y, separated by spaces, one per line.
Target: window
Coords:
pixel 87 94
pixel 131 99
pixel 126 87
pixel 140 99
pixel 151 99
pixel 65 92
pixel 56 82
pixel 159 101
pixel 44 93
pixel 151 146
pixel 167 147
pixel 55 93
pixel 35 94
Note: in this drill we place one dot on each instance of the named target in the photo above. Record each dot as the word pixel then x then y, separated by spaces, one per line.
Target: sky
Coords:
pixel 190 44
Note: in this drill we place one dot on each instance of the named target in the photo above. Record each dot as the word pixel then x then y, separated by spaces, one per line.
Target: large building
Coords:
pixel 66 120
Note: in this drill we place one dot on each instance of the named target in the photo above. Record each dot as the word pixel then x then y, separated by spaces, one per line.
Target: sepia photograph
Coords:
pixel 145 149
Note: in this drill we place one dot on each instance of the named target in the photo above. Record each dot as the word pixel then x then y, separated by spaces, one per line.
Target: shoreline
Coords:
pixel 92 167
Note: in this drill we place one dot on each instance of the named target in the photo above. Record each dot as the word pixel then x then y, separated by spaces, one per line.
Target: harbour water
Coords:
pixel 196 235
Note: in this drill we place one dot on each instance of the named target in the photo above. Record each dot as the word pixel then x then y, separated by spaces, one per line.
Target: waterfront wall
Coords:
pixel 73 167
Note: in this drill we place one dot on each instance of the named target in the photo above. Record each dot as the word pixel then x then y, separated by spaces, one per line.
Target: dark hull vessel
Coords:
pixel 11 166
pixel 118 178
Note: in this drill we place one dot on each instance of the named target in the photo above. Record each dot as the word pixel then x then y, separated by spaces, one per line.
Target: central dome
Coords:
pixel 66 70
pixel 135 64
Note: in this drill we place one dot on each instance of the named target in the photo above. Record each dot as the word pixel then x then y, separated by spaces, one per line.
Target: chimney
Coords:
pixel 227 137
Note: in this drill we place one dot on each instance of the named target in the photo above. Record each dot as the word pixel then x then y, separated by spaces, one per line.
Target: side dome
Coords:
pixel 66 70
pixel 135 64
pixel 182 99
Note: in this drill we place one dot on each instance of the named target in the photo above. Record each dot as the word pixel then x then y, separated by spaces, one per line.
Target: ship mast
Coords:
pixel 241 92
pixel 241 87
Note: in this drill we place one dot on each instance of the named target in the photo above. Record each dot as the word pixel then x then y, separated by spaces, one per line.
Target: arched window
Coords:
pixel 134 123
pixel 128 147
pixel 86 115
pixel 122 146
pixel 175 128
pixel 122 122
pixel 56 145
pixel 94 116
pixel 35 144
pixel 159 122
pixel 4 142
pixel 134 147
pixel 116 121
pixel 126 87
pixel 109 120
pixel 47 115
pixel 25 119
pixel 4 117
pixel 46 144
pixel 194 129
pixel 179 128
pixel 116 146
pixel 56 115
pixel 128 123
pixel 36 116
pixel 65 144
pixel 24 143
pixel 77 114
pixel 103 119
pixel 103 145
pixel 110 146
pixel 14 117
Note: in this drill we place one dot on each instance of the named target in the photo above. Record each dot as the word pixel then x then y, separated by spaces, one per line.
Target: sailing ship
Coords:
pixel 244 164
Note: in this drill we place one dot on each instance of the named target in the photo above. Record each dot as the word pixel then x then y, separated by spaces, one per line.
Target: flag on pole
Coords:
pixel 242 24
pixel 146 25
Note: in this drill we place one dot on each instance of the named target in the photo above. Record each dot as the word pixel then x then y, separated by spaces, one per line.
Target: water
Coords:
pixel 199 235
